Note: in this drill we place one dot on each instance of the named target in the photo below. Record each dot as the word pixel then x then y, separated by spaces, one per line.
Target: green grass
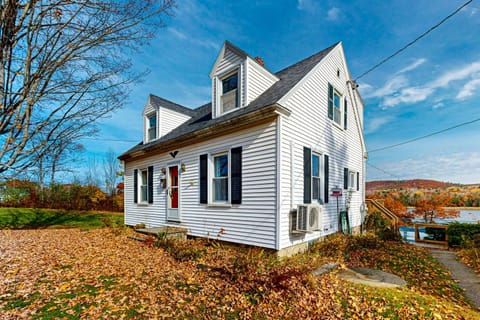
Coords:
pixel 27 218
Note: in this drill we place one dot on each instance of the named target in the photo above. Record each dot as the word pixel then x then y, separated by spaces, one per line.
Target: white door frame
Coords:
pixel 173 214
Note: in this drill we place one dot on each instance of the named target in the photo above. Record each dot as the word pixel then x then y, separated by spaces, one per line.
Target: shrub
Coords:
pixel 378 224
pixel 460 233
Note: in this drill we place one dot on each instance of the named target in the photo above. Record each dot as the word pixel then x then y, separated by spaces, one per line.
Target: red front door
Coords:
pixel 173 192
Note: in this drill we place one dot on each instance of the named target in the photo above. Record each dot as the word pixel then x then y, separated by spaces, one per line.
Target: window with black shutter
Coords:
pixel 204 178
pixel 236 174
pixel 135 186
pixel 358 181
pixel 150 184
pixel 330 101
pixel 345 108
pixel 225 183
pixel 326 178
pixel 307 175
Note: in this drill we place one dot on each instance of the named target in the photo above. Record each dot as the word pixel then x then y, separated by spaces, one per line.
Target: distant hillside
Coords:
pixel 406 184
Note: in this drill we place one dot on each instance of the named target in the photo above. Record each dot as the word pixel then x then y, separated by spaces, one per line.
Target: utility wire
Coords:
pixel 425 136
pixel 379 169
pixel 412 42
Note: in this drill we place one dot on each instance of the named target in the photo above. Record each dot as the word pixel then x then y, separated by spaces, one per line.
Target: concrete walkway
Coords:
pixel 467 278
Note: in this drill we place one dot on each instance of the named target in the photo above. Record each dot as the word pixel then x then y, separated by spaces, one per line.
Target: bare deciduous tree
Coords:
pixel 65 64
pixel 110 171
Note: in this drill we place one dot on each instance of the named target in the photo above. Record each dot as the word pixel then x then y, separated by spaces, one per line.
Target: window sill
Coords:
pixel 143 204
pixel 337 125
pixel 219 205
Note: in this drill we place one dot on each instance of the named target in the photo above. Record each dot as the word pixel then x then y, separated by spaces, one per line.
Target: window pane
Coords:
pixel 230 83
pixel 315 165
pixel 143 193
pixel 336 101
pixel 351 182
pixel 220 189
pixel 152 121
pixel 316 194
pixel 221 165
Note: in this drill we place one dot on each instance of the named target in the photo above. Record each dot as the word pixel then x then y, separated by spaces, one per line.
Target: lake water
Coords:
pixel 466 216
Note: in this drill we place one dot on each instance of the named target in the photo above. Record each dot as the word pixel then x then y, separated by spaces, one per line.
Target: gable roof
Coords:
pixel 158 102
pixel 202 117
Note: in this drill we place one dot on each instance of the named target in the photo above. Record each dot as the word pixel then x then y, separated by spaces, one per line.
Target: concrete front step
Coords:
pixel 165 232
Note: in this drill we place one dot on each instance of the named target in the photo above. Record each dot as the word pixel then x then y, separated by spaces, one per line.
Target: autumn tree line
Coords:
pixel 71 196
pixel 100 189
pixel 428 203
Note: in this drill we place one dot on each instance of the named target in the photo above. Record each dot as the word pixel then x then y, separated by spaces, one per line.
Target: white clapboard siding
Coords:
pixel 309 126
pixel 169 120
pixel 259 80
pixel 253 222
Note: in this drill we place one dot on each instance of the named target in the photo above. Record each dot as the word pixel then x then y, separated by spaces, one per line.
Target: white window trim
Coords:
pixel 139 187
pixel 340 99
pixel 211 173
pixel 147 126
pixel 321 173
pixel 219 88
pixel 352 177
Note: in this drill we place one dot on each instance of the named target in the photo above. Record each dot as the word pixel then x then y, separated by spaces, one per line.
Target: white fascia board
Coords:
pixel 220 56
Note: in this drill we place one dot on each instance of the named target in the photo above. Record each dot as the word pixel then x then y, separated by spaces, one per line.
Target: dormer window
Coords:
pixel 229 98
pixel 152 127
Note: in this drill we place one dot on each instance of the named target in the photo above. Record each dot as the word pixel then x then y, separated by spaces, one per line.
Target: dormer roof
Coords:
pixel 227 45
pixel 158 102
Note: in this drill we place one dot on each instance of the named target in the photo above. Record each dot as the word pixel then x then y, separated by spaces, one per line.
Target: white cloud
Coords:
pixel 391 86
pixel 438 105
pixel 374 124
pixel 468 89
pixel 178 34
pixel 398 90
pixel 333 14
pixel 461 167
pixel 407 95
pixel 456 75
pixel 414 65
pixel 196 41
pixel 305 4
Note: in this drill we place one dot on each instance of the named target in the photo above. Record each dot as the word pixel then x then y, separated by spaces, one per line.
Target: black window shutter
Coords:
pixel 307 175
pixel 203 178
pixel 345 178
pixel 135 186
pixel 236 174
pixel 345 115
pixel 358 181
pixel 330 101
pixel 150 184
pixel 325 187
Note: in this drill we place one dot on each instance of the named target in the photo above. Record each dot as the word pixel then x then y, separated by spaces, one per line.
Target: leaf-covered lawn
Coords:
pixel 47 274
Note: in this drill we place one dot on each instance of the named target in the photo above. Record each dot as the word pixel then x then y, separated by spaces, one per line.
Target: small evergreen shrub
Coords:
pixel 460 233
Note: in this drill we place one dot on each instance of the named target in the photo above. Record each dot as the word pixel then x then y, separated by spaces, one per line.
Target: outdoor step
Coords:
pixel 167 232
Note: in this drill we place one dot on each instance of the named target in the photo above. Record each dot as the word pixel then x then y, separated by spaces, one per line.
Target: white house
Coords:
pixel 260 163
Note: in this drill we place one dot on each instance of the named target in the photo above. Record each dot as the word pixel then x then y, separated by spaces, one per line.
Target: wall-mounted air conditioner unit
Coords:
pixel 308 218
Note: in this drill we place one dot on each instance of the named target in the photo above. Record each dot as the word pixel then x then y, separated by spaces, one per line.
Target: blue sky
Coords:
pixel 433 85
